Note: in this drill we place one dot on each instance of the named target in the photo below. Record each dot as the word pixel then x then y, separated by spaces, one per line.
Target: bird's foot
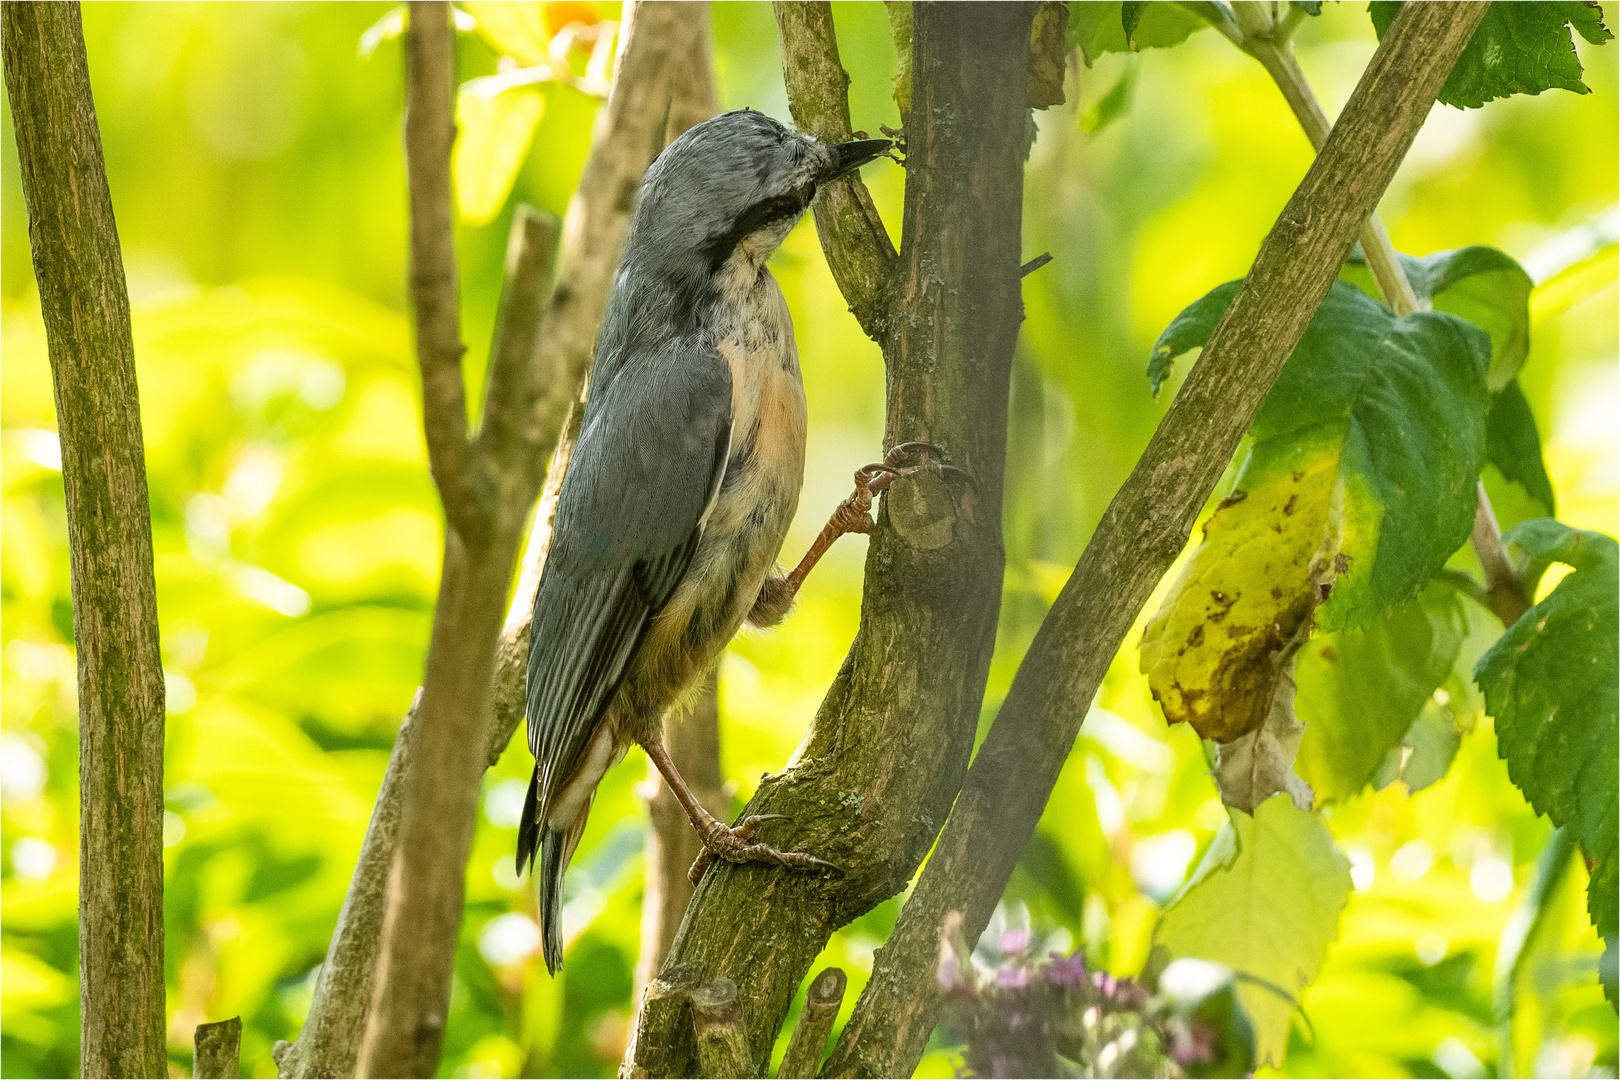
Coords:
pixel 737 845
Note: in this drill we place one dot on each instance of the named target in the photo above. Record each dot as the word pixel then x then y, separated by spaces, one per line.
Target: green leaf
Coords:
pixel 1189 331
pixel 1359 484
pixel 1552 683
pixel 1265 901
pixel 1112 105
pixel 1481 284
pixel 1359 691
pixel 1513 444
pixel 1097 28
pixel 1425 752
pixel 1519 48
pixel 495 121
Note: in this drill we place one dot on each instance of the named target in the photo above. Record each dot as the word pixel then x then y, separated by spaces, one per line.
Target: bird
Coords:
pixel 685 476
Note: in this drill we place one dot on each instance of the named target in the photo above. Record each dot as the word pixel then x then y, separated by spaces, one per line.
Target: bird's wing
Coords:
pixel 651 452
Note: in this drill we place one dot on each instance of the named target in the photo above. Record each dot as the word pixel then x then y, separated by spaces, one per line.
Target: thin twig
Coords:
pixel 1144 529
pixel 430 129
pixel 1503 584
pixel 1269 44
pixel 857 246
pixel 514 380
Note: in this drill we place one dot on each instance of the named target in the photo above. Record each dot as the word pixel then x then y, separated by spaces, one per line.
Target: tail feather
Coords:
pixel 529 824
pixel 556 852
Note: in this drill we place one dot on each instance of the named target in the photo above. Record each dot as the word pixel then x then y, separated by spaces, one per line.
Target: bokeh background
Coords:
pixel 255 162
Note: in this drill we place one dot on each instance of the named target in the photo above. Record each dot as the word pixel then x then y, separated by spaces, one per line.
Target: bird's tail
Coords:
pixel 555 852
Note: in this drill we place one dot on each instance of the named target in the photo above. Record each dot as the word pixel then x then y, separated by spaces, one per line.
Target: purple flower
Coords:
pixel 1012 977
pixel 1066 971
pixel 1014 942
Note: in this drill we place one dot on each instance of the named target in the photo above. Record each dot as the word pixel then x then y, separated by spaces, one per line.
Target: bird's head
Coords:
pixel 735 184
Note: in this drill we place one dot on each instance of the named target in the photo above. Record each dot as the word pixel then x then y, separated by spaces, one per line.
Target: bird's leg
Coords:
pixel 853 515
pixel 733 845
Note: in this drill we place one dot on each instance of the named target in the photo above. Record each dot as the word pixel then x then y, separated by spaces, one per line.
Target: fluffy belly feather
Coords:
pixel 748 522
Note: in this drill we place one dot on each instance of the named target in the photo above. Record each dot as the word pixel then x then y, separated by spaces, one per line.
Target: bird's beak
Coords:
pixel 847 156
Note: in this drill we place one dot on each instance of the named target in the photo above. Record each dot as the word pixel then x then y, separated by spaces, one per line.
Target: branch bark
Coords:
pixel 1144 529
pixel 857 246
pixel 538 411
pixel 85 305
pixel 875 776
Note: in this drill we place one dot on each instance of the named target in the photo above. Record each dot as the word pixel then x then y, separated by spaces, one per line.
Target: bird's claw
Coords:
pixel 735 845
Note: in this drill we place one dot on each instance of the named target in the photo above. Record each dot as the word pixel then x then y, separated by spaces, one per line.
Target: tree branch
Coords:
pixel 852 234
pixel 430 129
pixel 85 306
pixel 329 1044
pixel 1144 529
pixel 514 377
pixel 658 34
pixel 875 776
pixel 598 213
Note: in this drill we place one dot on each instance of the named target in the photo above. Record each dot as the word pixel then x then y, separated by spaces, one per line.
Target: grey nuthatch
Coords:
pixel 685 477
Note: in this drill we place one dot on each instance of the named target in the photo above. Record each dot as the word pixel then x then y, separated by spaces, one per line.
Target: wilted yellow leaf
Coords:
pixel 1215 651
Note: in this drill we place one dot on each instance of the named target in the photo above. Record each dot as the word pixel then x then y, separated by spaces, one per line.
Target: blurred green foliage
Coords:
pixel 255 163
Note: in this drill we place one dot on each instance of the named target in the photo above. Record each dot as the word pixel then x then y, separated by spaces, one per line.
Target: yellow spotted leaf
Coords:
pixel 1360 482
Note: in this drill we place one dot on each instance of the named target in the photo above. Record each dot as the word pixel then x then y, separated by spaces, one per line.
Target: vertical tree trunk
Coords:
pixel 876 776
pixel 1143 531
pixel 115 625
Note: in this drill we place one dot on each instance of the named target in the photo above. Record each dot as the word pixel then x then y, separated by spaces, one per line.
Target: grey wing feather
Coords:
pixel 652 448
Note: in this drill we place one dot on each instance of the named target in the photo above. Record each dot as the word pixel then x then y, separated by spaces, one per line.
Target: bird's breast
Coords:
pixel 759 493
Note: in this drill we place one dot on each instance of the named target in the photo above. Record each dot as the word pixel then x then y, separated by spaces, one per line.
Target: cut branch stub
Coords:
pixel 809 1043
pixel 722 1039
pixel 218 1050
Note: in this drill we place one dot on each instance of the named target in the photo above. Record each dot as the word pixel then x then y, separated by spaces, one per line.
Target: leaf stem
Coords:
pixel 1268 40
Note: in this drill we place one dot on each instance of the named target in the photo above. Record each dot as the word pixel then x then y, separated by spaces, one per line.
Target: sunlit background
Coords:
pixel 255 162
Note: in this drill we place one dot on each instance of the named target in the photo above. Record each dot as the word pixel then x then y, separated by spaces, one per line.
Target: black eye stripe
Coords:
pixel 756 217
